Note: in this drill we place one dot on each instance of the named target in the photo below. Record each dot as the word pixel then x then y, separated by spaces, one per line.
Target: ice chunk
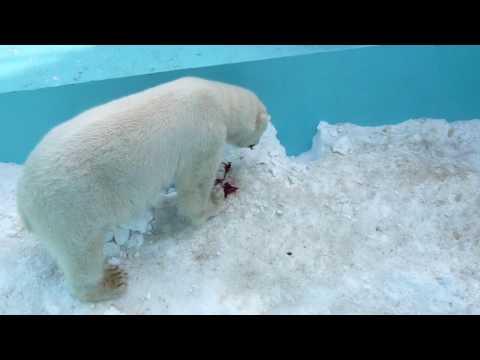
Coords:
pixel 342 146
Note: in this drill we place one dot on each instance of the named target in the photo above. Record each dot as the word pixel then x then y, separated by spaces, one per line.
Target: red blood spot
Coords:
pixel 228 189
pixel 227 167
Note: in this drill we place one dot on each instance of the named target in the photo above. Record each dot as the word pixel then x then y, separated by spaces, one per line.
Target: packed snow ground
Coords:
pixel 380 220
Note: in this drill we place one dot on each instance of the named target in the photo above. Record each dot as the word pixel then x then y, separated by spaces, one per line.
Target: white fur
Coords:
pixel 97 170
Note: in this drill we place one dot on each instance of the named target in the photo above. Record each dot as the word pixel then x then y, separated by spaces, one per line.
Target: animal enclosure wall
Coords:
pixel 301 85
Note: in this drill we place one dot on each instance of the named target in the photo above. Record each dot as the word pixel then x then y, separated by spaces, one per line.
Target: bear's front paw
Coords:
pixel 198 221
pixel 218 195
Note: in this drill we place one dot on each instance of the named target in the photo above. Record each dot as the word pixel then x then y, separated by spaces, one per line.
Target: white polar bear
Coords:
pixel 94 172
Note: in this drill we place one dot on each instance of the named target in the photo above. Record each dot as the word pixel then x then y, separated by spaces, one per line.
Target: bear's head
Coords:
pixel 251 119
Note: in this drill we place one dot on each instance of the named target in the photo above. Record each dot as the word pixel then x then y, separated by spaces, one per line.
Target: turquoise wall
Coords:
pixel 367 86
pixel 30 67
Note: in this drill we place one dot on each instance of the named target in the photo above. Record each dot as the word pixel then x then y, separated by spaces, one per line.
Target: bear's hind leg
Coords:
pixel 86 274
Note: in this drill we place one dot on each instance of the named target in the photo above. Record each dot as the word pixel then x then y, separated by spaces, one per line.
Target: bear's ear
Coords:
pixel 262 119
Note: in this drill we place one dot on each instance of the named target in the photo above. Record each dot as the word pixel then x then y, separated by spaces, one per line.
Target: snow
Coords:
pixel 372 220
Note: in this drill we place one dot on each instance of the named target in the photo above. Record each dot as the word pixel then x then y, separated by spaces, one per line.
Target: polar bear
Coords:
pixel 94 172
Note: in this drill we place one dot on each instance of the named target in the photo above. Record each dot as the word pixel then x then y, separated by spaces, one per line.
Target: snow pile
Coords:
pixel 371 220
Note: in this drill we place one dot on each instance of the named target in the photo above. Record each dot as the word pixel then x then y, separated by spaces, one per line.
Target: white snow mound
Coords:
pixel 379 220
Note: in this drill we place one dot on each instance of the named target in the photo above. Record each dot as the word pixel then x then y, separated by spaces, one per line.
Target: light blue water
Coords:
pixel 367 86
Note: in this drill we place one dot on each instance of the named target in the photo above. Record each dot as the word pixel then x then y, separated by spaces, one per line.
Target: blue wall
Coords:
pixel 366 86
pixel 30 67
